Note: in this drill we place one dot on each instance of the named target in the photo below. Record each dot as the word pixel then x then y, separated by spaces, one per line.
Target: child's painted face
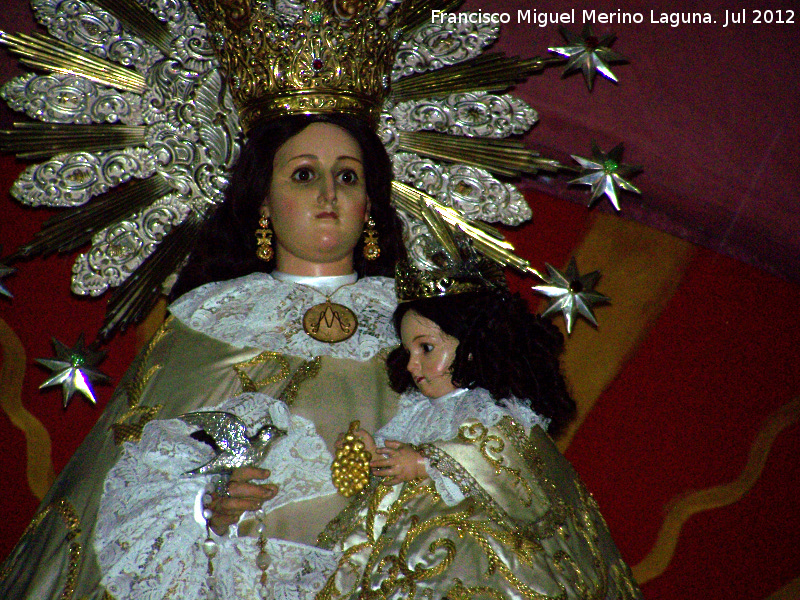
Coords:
pixel 431 354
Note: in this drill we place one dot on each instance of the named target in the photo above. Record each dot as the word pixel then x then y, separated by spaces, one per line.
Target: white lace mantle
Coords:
pixel 259 311
pixel 422 420
pixel 148 543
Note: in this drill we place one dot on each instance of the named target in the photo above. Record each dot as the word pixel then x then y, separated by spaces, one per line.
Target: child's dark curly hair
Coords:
pixel 502 348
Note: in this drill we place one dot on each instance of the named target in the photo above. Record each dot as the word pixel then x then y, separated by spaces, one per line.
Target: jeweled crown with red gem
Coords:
pixel 335 57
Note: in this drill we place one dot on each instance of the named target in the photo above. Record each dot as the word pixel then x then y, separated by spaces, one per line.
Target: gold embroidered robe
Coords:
pixel 526 529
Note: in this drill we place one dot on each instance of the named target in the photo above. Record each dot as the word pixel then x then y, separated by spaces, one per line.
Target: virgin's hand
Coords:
pixel 398 462
pixel 242 495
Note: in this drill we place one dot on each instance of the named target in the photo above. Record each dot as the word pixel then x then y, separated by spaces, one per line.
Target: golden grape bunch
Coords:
pixel 350 468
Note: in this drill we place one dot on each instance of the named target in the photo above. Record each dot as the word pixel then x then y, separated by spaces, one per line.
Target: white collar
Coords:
pixel 325 284
pixel 448 396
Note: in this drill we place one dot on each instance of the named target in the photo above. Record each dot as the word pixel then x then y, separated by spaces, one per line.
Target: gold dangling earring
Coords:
pixel 264 240
pixel 371 249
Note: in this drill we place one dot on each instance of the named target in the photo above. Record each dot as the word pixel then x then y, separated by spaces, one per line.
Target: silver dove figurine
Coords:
pixel 233 447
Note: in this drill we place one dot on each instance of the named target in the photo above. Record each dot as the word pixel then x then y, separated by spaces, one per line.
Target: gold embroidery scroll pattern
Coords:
pixel 73 524
pixel 558 511
pixel 514 432
pixel 479 531
pixel 477 433
pixel 589 516
pixel 330 589
pixel 584 524
pixel 556 521
pixel 461 592
pixel 75 552
pixel 345 523
pixel 523 446
pixel 410 491
pixel 398 578
pixel 525 548
pixel 308 370
pixel 399 575
pixel 445 544
pixel 389 582
pixel 248 385
pixel 374 509
pixel 492 447
pixel 132 432
pixel 445 464
pixel 569 567
pixel 125 429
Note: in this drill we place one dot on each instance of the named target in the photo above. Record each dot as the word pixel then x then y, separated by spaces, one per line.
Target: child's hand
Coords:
pixel 397 463
pixel 364 436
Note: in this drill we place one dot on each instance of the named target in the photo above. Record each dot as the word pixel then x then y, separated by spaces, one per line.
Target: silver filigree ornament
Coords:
pixel 120 249
pixel 192 158
pixel 473 191
pixel 475 114
pixel 436 45
pixel 91 28
pixel 188 144
pixel 69 180
pixel 74 369
pixel 58 98
pixel 193 150
pixel 193 49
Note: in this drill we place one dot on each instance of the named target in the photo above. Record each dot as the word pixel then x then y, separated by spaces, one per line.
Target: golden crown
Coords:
pixel 336 57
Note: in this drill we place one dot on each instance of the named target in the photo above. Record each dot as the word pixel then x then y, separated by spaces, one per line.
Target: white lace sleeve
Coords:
pixel 148 541
pixel 524 415
pixel 404 425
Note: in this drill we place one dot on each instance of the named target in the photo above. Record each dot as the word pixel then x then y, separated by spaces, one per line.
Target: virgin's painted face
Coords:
pixel 430 354
pixel 318 201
